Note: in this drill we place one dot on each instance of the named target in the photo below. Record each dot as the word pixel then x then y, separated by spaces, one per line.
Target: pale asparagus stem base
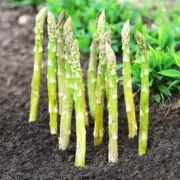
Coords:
pixel 37 70
pixel 113 124
pixel 111 78
pixel 35 85
pixel 65 124
pixel 51 74
pixel 144 97
pixel 127 84
pixel 80 124
pixel 92 73
pixel 81 141
pixel 98 127
pixel 65 129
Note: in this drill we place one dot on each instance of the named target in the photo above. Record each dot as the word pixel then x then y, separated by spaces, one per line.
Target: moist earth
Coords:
pixel 28 151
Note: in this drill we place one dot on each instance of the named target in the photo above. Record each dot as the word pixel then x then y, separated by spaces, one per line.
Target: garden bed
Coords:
pixel 28 151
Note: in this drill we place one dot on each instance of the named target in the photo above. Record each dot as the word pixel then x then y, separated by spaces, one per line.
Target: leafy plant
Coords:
pixel 21 3
pixel 164 60
pixel 84 15
pixel 164 72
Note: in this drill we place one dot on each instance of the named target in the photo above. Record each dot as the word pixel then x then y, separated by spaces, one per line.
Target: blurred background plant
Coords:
pixel 159 21
pixel 21 3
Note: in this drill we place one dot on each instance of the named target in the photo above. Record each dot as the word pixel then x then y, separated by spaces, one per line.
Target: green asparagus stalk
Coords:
pixel 144 97
pixel 85 105
pixel 100 90
pixel 65 124
pixel 111 77
pixel 51 73
pixel 107 35
pixel 38 57
pixel 79 106
pixel 60 60
pixel 92 68
pixel 128 94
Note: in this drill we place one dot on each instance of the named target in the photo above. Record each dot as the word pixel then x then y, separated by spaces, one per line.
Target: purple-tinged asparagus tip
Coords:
pixel 61 18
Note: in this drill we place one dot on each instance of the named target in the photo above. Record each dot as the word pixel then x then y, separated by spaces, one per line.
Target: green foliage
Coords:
pixel 164 72
pixel 84 15
pixel 21 3
pixel 162 33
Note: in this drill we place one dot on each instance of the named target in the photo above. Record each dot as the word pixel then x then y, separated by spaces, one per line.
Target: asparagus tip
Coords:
pixel 139 37
pixel 41 15
pixel 125 34
pixel 68 33
pixel 61 18
pixel 101 23
pixel 51 18
pixel 126 28
pixel 68 22
pixel 140 41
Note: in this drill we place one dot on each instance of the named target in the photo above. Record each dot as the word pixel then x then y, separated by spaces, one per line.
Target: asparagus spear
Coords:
pixel 144 97
pixel 60 60
pixel 92 69
pixel 51 73
pixel 85 105
pixel 100 90
pixel 79 106
pixel 65 124
pixel 38 57
pixel 128 94
pixel 111 78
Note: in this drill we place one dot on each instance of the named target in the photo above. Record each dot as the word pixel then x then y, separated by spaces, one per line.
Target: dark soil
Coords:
pixel 28 151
